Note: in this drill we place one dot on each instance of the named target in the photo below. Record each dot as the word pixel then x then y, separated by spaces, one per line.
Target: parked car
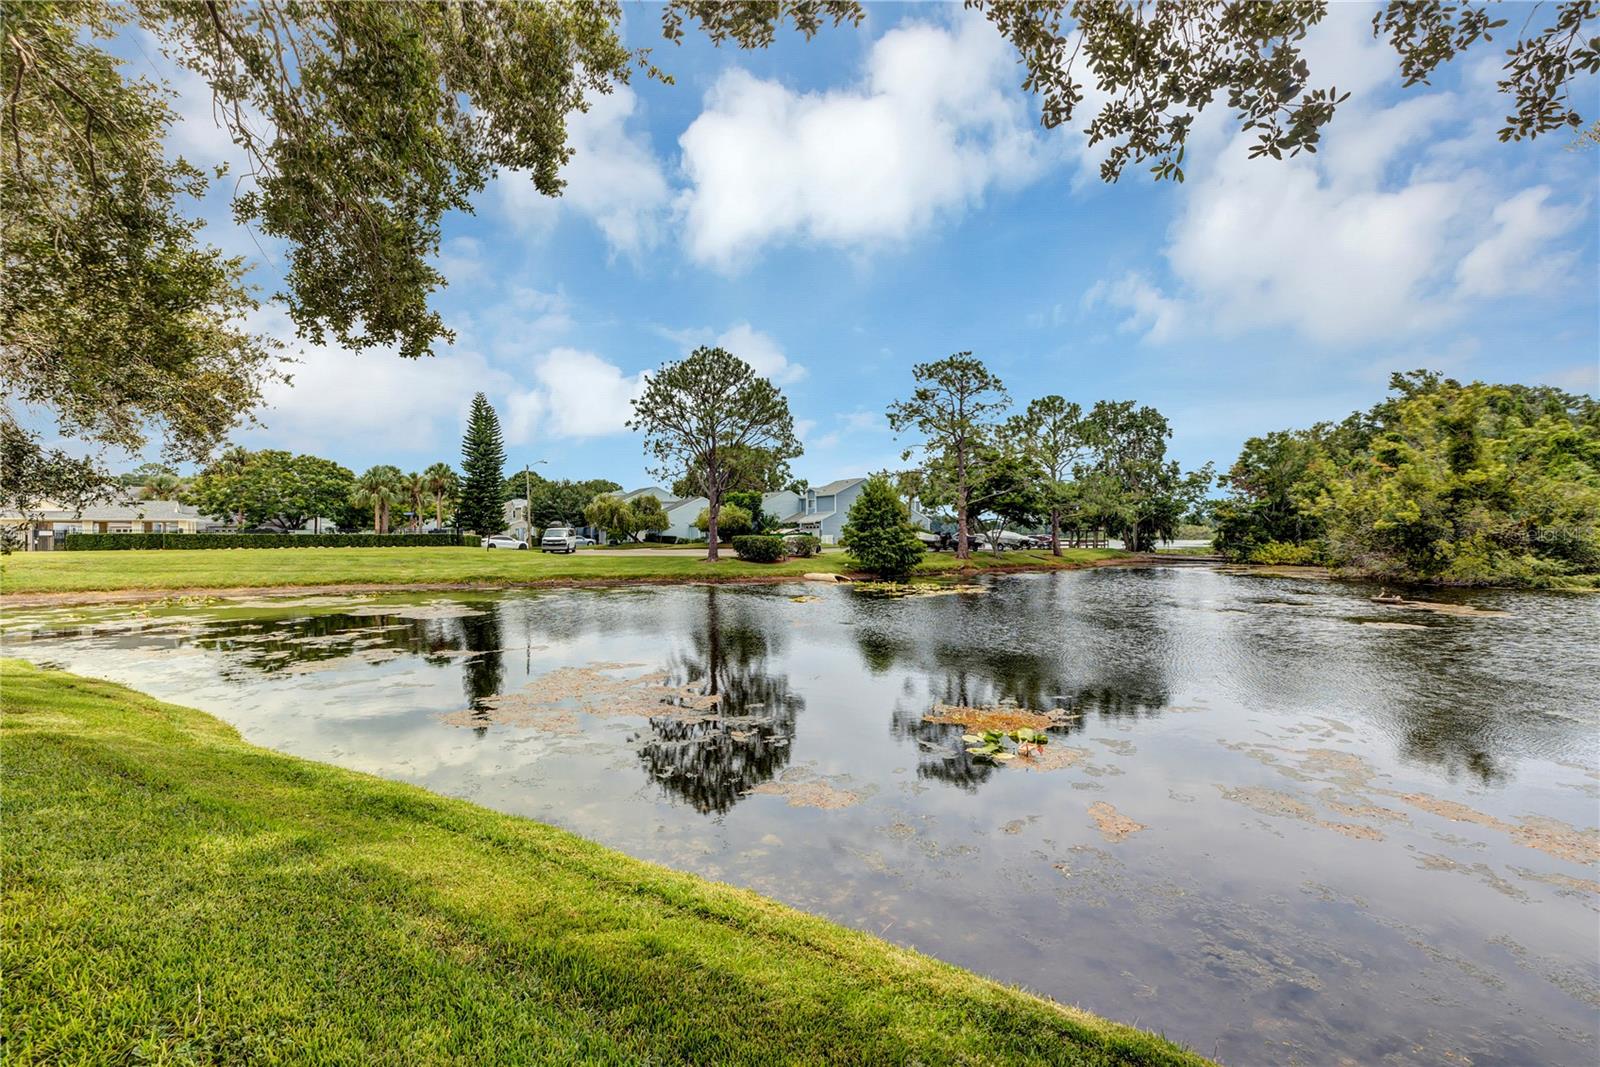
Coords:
pixel 559 539
pixel 586 542
pixel 502 541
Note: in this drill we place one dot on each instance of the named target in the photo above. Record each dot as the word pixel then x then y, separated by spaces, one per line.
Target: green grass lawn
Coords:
pixel 174 895
pixel 59 572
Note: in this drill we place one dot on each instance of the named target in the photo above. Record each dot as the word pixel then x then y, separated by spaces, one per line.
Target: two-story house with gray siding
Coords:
pixel 825 509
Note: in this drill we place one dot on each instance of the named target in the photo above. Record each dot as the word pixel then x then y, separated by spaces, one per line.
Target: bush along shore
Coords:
pixel 173 894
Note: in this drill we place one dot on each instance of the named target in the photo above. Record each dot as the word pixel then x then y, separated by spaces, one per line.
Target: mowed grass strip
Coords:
pixel 174 895
pixel 62 572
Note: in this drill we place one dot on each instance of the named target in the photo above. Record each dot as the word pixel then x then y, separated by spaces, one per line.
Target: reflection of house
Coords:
pixel 45 527
pixel 825 508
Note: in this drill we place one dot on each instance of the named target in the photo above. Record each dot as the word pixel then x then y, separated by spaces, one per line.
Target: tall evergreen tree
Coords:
pixel 878 533
pixel 483 456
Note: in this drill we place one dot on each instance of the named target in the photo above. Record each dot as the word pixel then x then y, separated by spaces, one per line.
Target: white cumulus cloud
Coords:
pixel 935 123
pixel 613 178
pixel 575 394
pixel 1384 233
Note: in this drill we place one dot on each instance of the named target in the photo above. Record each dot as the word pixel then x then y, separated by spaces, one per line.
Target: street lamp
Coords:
pixel 527 493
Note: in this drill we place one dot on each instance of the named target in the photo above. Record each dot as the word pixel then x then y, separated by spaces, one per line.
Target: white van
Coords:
pixel 559 539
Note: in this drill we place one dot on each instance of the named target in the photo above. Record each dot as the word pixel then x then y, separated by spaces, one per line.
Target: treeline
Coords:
pixel 1439 483
pixel 280 491
pixel 989 468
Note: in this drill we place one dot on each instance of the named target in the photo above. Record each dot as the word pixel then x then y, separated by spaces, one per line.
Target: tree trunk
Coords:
pixel 713 505
pixel 377 513
pixel 963 545
pixel 438 512
pixel 1055 532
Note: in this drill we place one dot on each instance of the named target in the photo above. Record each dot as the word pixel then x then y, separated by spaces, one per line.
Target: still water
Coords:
pixel 1274 820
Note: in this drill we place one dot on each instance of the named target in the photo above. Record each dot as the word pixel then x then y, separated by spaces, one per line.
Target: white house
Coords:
pixel 44 528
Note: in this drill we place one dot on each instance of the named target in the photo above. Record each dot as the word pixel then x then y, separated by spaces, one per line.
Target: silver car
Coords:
pixel 559 539
pixel 502 541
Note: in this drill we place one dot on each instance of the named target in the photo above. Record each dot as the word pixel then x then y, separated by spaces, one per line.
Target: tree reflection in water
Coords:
pixel 712 761
pixel 971 677
pixel 482 674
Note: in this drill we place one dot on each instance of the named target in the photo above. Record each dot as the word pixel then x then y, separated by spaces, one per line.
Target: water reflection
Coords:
pixel 712 761
pixel 1348 836
pixel 483 672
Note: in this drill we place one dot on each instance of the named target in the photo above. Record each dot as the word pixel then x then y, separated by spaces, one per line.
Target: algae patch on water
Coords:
pixel 552 700
pixel 1112 824
pixel 1002 717
pixel 804 790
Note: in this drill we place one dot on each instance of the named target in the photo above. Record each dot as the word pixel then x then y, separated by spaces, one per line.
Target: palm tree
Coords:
pixel 443 484
pixel 416 488
pixel 162 486
pixel 380 488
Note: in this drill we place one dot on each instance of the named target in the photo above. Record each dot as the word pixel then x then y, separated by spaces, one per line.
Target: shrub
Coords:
pixel 95 542
pixel 879 534
pixel 759 548
pixel 803 546
pixel 1283 552
pixel 732 520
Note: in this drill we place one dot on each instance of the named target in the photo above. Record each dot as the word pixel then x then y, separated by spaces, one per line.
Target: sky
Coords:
pixel 836 211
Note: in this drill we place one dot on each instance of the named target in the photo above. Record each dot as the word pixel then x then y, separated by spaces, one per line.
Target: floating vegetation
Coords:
pixel 433 609
pixel 515 709
pixel 1564 882
pixel 1442 608
pixel 1052 758
pixel 907 590
pixel 991 744
pixel 591 691
pixel 1550 836
pixel 1377 625
pixel 1004 717
pixel 312 601
pixel 1113 825
pixel 812 793
pixel 805 598
pixel 1286 805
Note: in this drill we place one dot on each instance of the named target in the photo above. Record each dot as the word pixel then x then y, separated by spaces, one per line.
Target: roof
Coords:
pixel 117 511
pixel 649 490
pixel 805 516
pixel 836 487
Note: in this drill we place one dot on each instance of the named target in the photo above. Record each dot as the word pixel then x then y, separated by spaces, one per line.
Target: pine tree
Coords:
pixel 483 456
pixel 879 534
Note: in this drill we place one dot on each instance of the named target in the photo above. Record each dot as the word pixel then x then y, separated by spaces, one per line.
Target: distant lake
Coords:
pixel 1274 820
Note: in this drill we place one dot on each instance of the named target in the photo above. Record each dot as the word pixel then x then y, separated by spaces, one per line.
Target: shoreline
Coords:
pixel 144 595
pixel 182 862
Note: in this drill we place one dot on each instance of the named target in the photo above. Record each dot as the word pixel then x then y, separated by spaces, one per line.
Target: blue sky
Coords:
pixel 838 210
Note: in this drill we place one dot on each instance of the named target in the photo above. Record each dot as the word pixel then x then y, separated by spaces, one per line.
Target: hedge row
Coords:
pixel 97 542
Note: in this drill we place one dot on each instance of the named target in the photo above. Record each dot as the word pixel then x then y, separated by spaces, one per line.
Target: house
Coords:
pixel 44 528
pixel 825 508
pixel 515 518
pixel 681 514
pixel 785 502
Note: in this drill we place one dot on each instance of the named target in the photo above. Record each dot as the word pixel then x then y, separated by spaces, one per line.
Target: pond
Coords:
pixel 1273 819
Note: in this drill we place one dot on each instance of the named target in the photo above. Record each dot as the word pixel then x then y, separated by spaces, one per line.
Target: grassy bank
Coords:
pixel 172 894
pixel 62 572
